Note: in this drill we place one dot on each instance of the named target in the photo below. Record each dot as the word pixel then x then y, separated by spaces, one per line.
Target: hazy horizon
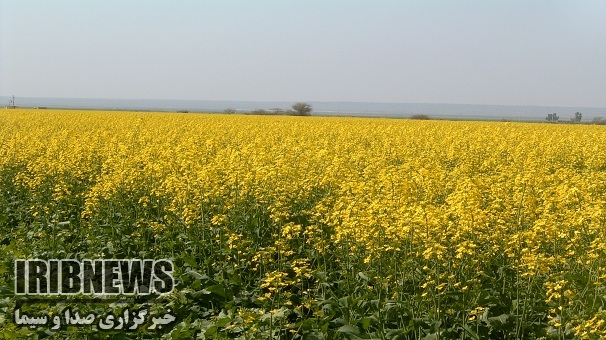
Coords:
pixel 360 109
pixel 511 53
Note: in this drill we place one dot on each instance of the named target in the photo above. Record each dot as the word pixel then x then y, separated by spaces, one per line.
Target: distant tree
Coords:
pixel 552 117
pixel 578 116
pixel 599 121
pixel 420 117
pixel 301 109
pixel 261 112
pixel 229 110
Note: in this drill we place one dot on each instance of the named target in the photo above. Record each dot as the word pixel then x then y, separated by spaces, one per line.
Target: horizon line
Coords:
pixel 312 101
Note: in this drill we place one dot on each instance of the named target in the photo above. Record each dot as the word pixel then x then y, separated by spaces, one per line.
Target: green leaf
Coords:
pixel 366 323
pixel 500 318
pixel 197 275
pixel 349 329
pixel 211 331
pixel 324 328
pixel 223 322
pixel 470 332
pixel 217 289
pixel 395 334
pixel 190 260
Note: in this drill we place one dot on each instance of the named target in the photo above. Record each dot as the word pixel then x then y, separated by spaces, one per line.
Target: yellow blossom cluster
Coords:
pixel 461 204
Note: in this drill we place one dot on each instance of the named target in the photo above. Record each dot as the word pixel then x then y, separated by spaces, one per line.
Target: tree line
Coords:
pixel 297 109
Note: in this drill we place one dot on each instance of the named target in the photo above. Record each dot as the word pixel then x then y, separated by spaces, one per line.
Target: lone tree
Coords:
pixel 552 117
pixel 420 117
pixel 301 109
pixel 578 116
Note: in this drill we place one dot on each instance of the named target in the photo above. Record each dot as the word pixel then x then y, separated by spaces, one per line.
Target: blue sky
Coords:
pixel 475 52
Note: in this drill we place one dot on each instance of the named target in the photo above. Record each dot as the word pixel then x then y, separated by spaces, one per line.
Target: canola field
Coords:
pixel 315 227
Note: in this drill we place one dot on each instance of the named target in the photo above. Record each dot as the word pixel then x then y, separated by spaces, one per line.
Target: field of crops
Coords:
pixel 318 228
